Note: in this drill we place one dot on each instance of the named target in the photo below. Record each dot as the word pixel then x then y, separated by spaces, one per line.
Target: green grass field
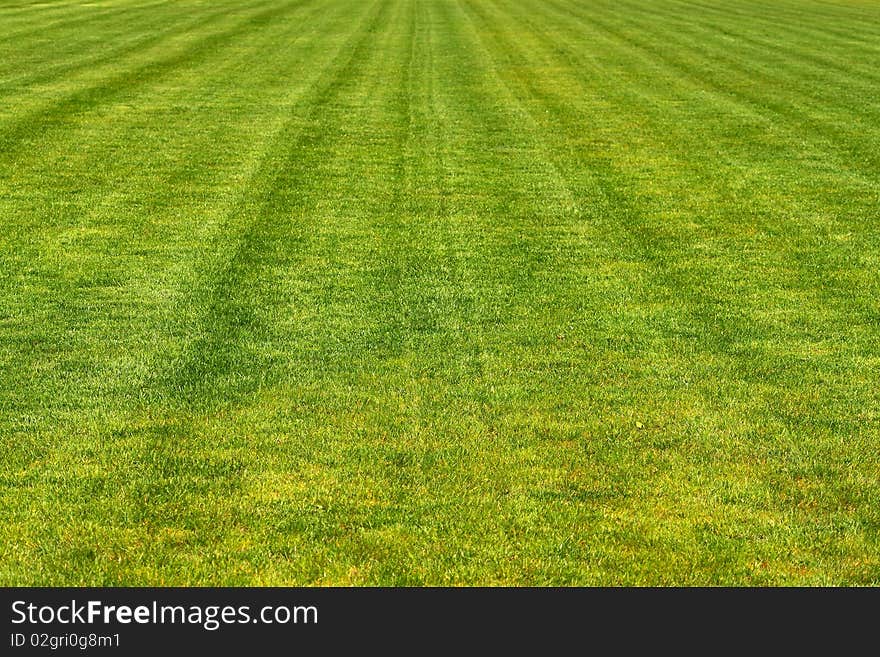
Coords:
pixel 409 292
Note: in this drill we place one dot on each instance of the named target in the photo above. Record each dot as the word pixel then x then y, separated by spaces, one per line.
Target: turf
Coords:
pixel 412 292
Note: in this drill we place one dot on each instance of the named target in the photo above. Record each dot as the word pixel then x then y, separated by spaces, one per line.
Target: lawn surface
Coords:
pixel 440 292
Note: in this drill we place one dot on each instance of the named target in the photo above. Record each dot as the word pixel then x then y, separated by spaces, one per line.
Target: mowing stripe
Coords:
pixel 157 28
pixel 413 292
pixel 47 119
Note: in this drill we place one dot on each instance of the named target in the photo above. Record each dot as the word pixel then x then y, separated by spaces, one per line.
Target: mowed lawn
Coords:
pixel 411 292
